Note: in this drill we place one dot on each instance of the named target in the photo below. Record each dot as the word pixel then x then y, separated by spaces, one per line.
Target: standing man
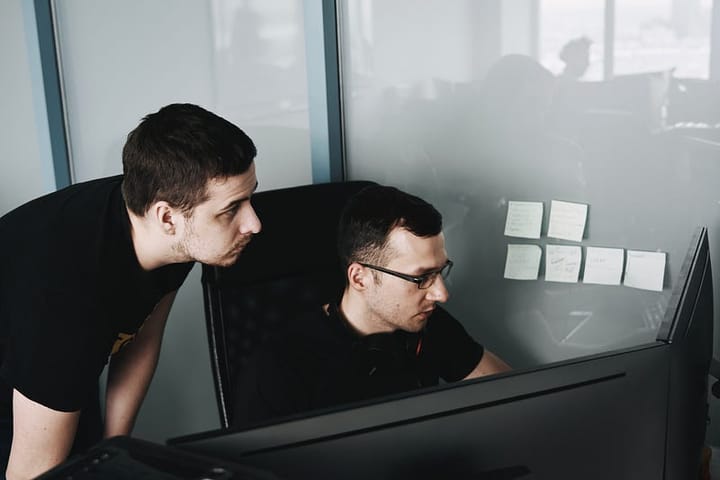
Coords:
pixel 88 275
pixel 386 334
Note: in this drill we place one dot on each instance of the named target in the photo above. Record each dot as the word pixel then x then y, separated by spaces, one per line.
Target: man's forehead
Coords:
pixel 401 235
pixel 219 190
pixel 406 246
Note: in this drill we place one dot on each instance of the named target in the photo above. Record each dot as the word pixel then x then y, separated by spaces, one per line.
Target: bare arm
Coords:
pixel 489 364
pixel 131 370
pixel 42 437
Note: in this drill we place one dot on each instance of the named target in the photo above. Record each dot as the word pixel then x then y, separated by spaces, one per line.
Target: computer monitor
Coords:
pixel 688 331
pixel 637 412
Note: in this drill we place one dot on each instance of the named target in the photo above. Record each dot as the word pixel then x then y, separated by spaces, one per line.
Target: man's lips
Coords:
pixel 241 246
pixel 427 312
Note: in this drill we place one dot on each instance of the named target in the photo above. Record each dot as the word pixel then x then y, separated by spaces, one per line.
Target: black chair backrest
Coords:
pixel 289 267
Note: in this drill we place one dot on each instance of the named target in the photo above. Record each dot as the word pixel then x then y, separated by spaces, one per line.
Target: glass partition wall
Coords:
pixel 482 106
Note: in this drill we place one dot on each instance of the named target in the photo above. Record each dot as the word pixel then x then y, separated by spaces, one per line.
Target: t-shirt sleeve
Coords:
pixel 56 350
pixel 449 347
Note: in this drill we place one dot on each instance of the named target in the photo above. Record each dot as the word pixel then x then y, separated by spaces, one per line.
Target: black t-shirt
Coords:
pixel 71 292
pixel 320 362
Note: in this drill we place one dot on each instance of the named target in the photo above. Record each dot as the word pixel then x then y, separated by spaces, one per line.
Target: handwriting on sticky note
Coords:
pixel 645 270
pixel 604 265
pixel 522 262
pixel 567 220
pixel 562 263
pixel 524 219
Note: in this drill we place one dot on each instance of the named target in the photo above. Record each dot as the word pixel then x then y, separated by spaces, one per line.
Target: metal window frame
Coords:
pixel 51 71
pixel 324 90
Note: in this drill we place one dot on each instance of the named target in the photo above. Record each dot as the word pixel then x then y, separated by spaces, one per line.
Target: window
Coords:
pixel 654 35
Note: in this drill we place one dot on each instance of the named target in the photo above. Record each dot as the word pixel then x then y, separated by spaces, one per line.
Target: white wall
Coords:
pixel 25 164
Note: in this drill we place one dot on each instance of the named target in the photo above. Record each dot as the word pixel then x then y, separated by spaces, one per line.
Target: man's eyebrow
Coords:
pixel 431 269
pixel 238 201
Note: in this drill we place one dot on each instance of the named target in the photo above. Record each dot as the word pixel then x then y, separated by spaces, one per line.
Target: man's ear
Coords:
pixel 358 276
pixel 165 216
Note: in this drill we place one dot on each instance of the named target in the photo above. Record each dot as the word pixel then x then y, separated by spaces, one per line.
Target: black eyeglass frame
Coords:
pixel 419 279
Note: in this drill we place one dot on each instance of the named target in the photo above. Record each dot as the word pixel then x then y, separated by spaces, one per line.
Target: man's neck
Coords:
pixel 151 249
pixel 357 315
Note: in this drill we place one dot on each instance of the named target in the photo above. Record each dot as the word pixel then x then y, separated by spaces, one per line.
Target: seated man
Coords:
pixel 386 335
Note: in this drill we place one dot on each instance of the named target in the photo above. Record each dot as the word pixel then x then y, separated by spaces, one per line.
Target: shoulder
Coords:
pixel 441 320
pixel 64 199
pixel 446 334
pixel 308 329
pixel 54 242
pixel 311 338
pixel 291 362
pixel 444 329
pixel 450 347
pixel 73 211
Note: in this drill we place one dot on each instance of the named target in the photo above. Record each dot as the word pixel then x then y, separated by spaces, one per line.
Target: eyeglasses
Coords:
pixel 422 281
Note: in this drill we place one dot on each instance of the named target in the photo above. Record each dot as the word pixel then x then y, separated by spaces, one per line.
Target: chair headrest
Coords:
pixel 298 234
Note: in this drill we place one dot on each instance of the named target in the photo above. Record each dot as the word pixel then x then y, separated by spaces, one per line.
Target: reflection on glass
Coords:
pixel 472 129
pixel 260 60
pixel 260 81
pixel 565 21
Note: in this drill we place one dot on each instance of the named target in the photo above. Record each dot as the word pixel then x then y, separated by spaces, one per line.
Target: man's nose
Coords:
pixel 438 291
pixel 249 222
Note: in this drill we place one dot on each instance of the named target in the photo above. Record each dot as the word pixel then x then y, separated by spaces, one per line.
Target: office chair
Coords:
pixel 289 267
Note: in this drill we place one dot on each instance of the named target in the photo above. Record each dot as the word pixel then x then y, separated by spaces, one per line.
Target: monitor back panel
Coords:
pixel 596 418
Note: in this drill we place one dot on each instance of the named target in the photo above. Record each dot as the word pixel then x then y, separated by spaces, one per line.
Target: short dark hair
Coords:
pixel 372 213
pixel 173 153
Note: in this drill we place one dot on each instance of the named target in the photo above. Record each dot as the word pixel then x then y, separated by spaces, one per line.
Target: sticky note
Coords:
pixel 567 220
pixel 522 262
pixel 604 265
pixel 645 270
pixel 562 263
pixel 524 219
